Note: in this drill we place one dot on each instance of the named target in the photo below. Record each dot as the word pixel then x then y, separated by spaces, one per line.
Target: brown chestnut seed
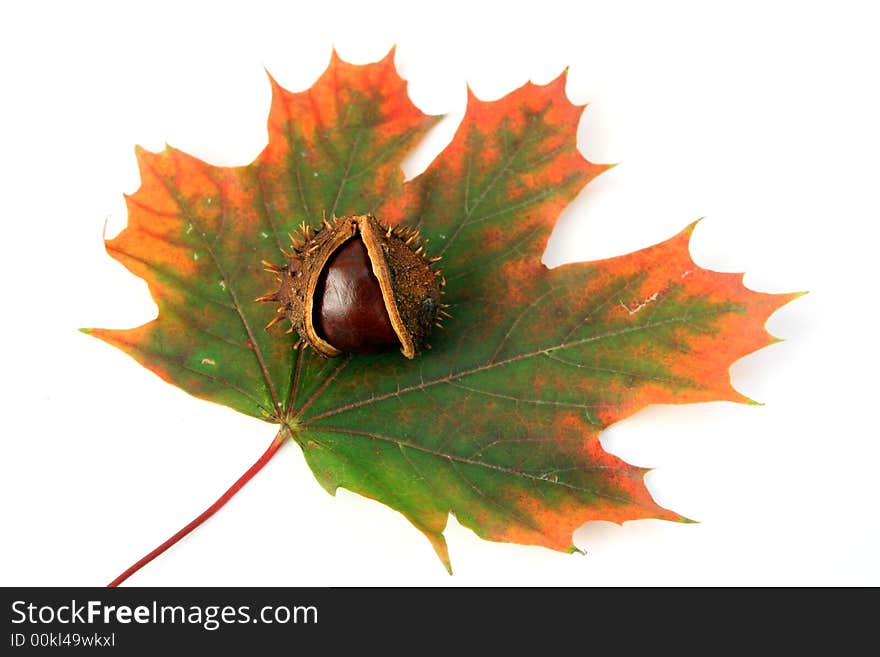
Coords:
pixel 357 285
pixel 349 310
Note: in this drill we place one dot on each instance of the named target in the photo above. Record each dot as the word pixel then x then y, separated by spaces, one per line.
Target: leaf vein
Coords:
pixel 223 382
pixel 491 466
pixel 230 290
pixel 423 385
pixel 493 181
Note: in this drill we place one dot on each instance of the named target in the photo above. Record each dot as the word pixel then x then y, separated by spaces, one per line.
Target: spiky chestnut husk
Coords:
pixel 358 285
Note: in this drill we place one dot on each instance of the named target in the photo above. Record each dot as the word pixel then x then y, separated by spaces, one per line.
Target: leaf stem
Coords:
pixel 279 439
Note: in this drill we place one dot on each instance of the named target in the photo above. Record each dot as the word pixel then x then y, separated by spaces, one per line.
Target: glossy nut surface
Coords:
pixel 357 285
pixel 349 310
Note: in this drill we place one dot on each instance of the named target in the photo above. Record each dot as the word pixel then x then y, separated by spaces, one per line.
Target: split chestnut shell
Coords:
pixel 357 285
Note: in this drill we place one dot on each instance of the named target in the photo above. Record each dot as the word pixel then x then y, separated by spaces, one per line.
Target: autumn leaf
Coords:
pixel 499 422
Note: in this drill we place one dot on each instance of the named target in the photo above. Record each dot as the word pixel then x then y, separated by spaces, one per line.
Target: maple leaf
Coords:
pixel 499 423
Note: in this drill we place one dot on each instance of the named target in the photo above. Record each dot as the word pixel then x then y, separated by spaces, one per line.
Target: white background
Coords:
pixel 763 117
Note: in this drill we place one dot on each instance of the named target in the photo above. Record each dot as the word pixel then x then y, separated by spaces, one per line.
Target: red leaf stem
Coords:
pixel 207 513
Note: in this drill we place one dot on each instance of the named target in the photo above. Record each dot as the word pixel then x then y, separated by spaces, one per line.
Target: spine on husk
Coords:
pixel 410 282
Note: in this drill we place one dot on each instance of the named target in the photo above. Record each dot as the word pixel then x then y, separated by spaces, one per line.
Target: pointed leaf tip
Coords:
pixel 389 56
pixel 558 84
pixel 691 227
pixel 438 542
pixel 272 81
